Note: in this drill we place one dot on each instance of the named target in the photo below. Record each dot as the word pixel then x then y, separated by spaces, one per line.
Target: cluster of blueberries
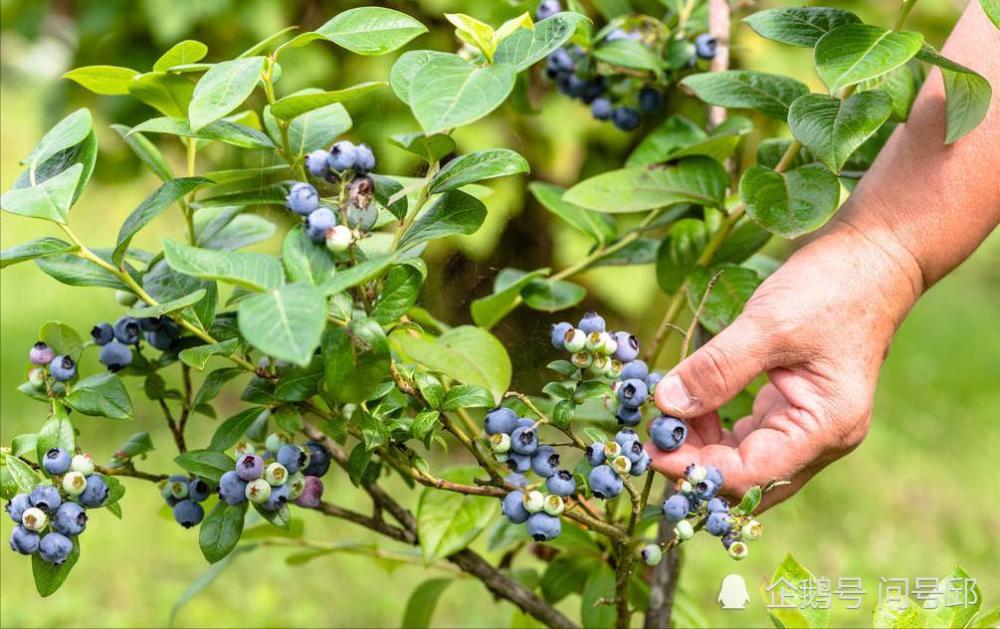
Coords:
pixel 348 165
pixel 183 494
pixel 49 516
pixel 284 472
pixel 610 97
pixel 696 500
pixel 62 368
pixel 116 340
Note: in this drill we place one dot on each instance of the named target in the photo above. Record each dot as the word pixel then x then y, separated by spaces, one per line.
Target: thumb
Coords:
pixel 715 373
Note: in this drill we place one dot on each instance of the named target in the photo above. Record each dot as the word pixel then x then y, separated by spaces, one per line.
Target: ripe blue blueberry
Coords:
pixel 559 331
pixel 150 324
pixel 547 8
pixel 517 480
pixel 518 462
pixel 56 461
pixel 199 490
pixel 561 483
pixel 625 118
pixel 650 99
pixel 232 488
pixel 364 159
pixel 524 440
pixel 631 445
pixel 278 498
pixel 632 393
pixel 46 498
pixel 96 492
pixel 343 156
pixel 640 466
pixel 592 90
pixel 601 109
pixel 524 422
pixel 563 60
pixel 127 330
pixel 634 369
pixel 70 519
pixel 730 538
pixel 718 523
pixel 592 322
pixel 302 199
pixel 55 548
pixel 292 457
pixel 628 416
pixel 627 348
pixel 513 509
pixel 316 163
pixel 164 336
pixel 653 379
pixel 24 541
pixel 543 527
pixel 500 419
pixel 62 368
pixel 676 507
pixel 717 504
pixel 544 461
pixel 319 459
pixel 17 506
pixel 320 221
pixel 312 493
pixel 595 454
pixel 705 490
pixel 668 433
pixel 705 46
pixel 714 474
pixel 102 333
pixel 41 354
pixel 115 355
pixel 250 467
pixel 188 513
pixel 604 482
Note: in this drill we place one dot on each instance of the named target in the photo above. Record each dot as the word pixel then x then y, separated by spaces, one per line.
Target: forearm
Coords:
pixel 930 204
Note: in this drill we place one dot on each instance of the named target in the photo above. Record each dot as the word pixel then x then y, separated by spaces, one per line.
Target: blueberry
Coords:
pixel 559 332
pixel 524 440
pixel 653 379
pixel 316 163
pixel 275 440
pixel 518 462
pixel 46 498
pixel 714 474
pixel 41 354
pixel 188 513
pixel 258 490
pixel 276 474
pixel 96 492
pixel 563 61
pixel 17 506
pixel 513 509
pixel 524 422
pixel 199 490
pixel 684 530
pixel 82 463
pixel 572 85
pixel 127 330
pixel 544 461
pixel 543 527
pixel 632 393
pixel 319 222
pixel 55 548
pixel 604 482
pixel 312 493
pixel 626 347
pixel 500 443
pixel 752 530
pixel 292 457
pixel 232 488
pixel 362 218
pixel 115 356
pixel 676 507
pixel 628 416
pixel 592 322
pixel 551 67
pixel 650 99
pixel 738 550
pixel 500 419
pixel 517 480
pixel 592 90
pixel 696 473
pixel 625 118
pixel 705 46
pixel 574 341
pixel 74 483
pixel 582 360
pixel 250 467
pixel 641 464
pixel 631 445
pixel 56 461
pixel 339 238
pixel 165 336
pixel 62 368
pixel 24 541
pixel 717 504
pixel 718 523
pixel 601 109
pixel 651 554
pixel 364 159
pixel 34 519
pixel 278 498
pixel 302 199
pixel 561 483
pixel 70 519
pixel 102 333
pixel 730 538
pixel 547 8
pixel 668 433
pixel 361 191
pixel 595 454
pixel 150 324
pixel 178 487
pixel 36 377
pixel 319 459
pixel 343 156
pixel 634 369
pixel 705 490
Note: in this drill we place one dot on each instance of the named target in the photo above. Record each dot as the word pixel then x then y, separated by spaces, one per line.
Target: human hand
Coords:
pixel 820 327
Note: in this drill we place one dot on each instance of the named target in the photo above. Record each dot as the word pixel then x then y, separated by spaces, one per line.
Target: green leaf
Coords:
pixel 50 577
pixel 213 384
pixel 198 356
pixel 238 232
pixel 254 271
pixel 286 323
pixel 75 271
pixel 465 353
pixel 423 600
pixel 679 251
pixel 448 522
pixel 356 359
pixel 600 585
pixel 429 148
pixel 399 293
pixel 454 212
pixel 628 53
pixel 798 612
pixel 300 383
pixel 61 338
pixel 49 200
pixel 222 89
pixel 466 396
pixel 951 603
pixel 731 291
pixel 371 30
pixel 387 189
pixel 208 464
pixel 165 284
pixel 488 311
pixel 220 130
pixel 181 53
pixel 449 92
pixel 315 129
pixel 968 94
pixel 770 94
pixel 139 443
pixel 304 260
pixel 674 133
pixel 295 105
pixel 25 444
pixel 151 207
pixel 221 529
pixel 552 296
pixel 83 153
pixel 833 129
pixel 23 476
pixel 854 53
pixel 37 248
pixel 68 132
pixel 598 226
pixel 282 518
pixel 992 10
pixel 357 274
pixel 567 574
pixel 696 179
pixel 56 432
pixel 104 80
pixel 170 94
pixel 751 499
pixel 746 239
pixel 901 614
pixel 102 394
pixel 473 167
pixel 986 619
pixel 793 203
pixel 524 47
pixel 475 33
pixel 146 151
pixel 424 423
pixel 799 26
pixel 406 68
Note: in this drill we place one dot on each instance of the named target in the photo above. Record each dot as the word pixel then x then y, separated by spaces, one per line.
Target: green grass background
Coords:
pixel 917 498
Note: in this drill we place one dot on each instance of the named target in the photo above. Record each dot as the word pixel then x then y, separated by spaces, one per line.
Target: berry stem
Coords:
pixel 422 196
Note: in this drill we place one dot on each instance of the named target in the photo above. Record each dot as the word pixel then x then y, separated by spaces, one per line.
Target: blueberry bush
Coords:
pixel 338 363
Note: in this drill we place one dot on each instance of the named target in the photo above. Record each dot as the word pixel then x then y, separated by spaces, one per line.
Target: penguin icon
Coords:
pixel 733 592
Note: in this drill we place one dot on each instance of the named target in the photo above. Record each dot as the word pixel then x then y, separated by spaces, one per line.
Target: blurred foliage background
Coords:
pixel 918 496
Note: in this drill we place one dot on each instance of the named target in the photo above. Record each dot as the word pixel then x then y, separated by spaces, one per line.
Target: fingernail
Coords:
pixel 673 395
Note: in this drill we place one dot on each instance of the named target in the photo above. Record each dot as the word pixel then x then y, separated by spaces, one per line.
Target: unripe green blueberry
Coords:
pixel 339 238
pixel 500 442
pixel 622 465
pixel 594 342
pixel 244 447
pixel 36 377
pixel 296 484
pixel 575 341
pixel 74 483
pixel 534 501
pixel 684 530
pixel 651 554
pixel 502 457
pixel 258 491
pixel 697 474
pixel 34 519
pixel 738 550
pixel 178 488
pixel 612 450
pixel 554 505
pixel 274 441
pixel 601 365
pixel 581 360
pixel 276 474
pixel 752 530
pixel 125 298
pixel 82 463
pixel 686 487
pixel 607 344
pixel 615 369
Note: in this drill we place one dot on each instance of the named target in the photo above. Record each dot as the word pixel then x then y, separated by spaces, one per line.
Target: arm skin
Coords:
pixel 820 327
